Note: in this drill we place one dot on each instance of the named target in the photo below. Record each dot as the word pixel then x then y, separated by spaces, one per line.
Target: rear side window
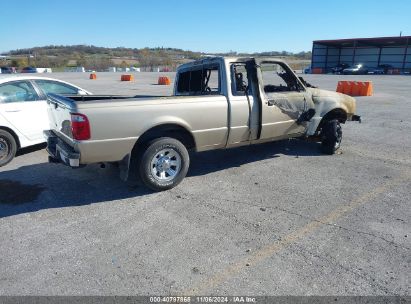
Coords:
pixel 17 91
pixel 201 81
pixel 48 86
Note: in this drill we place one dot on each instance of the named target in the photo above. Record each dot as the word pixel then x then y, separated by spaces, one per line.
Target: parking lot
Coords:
pixel 274 219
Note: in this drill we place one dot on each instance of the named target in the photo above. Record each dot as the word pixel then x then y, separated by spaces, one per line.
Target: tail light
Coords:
pixel 80 126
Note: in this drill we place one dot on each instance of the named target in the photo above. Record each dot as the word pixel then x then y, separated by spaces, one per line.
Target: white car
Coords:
pixel 23 111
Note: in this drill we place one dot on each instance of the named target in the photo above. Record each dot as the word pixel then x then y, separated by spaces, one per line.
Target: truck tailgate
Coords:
pixel 59 109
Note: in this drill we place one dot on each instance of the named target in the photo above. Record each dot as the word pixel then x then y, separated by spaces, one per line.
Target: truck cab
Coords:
pixel 266 99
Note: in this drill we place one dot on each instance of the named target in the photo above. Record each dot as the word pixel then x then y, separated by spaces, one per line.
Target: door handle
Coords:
pixel 270 103
pixel 12 111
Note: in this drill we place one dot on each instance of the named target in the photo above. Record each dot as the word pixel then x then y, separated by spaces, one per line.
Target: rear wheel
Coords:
pixel 163 164
pixel 331 136
pixel 8 147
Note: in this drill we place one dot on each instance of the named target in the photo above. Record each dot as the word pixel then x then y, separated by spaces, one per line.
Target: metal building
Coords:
pixel 372 52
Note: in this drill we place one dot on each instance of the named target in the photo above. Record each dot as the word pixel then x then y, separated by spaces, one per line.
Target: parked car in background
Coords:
pixel 356 69
pixel 381 69
pixel 307 70
pixel 7 70
pixel 23 111
pixel 339 68
pixel 28 70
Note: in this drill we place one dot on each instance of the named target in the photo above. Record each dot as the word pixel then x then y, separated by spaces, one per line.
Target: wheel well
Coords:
pixel 168 130
pixel 16 138
pixel 338 113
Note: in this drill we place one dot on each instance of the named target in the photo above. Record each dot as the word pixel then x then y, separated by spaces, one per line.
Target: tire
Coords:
pixel 163 164
pixel 331 136
pixel 8 147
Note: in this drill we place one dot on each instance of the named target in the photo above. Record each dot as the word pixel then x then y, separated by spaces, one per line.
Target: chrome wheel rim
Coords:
pixel 4 148
pixel 165 165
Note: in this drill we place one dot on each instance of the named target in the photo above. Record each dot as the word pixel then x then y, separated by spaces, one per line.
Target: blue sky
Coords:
pixel 205 25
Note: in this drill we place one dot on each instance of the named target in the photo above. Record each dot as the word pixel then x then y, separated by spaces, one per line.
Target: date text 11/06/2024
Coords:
pixel 182 299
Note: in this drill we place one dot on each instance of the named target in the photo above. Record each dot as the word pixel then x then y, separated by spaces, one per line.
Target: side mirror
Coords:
pixel 81 92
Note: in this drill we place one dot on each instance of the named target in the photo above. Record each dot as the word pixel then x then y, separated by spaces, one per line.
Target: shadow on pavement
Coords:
pixel 211 161
pixel 44 186
pixel 31 149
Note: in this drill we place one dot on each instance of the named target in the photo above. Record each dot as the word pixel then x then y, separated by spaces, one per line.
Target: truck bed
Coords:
pixel 107 97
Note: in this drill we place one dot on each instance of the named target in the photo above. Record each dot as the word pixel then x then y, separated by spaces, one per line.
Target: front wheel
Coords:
pixel 163 164
pixel 331 136
pixel 8 147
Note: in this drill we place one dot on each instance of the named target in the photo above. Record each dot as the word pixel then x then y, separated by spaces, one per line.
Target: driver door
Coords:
pixel 244 106
pixel 22 107
pixel 284 99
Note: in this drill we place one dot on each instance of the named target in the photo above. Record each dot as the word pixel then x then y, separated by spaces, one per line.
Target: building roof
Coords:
pixel 373 42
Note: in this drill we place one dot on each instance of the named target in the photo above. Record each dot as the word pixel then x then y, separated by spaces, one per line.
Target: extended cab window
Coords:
pixel 17 91
pixel 278 79
pixel 204 80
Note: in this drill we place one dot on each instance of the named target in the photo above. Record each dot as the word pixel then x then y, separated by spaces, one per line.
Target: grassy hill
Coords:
pixel 100 58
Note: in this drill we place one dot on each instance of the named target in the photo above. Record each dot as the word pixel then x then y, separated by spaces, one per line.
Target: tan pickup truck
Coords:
pixel 217 103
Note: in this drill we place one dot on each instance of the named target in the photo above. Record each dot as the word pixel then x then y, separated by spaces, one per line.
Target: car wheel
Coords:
pixel 163 164
pixel 331 136
pixel 8 147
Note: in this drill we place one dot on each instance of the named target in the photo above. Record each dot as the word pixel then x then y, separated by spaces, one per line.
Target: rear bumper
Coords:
pixel 60 152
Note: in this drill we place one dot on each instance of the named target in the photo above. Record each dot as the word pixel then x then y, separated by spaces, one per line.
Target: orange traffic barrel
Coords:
pixel 355 88
pixel 93 76
pixel 317 70
pixel 127 77
pixel 164 80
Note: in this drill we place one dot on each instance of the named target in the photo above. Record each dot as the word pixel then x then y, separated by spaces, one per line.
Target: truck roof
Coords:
pixel 213 59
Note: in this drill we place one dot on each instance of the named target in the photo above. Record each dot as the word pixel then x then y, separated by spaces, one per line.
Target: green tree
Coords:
pixel 19 62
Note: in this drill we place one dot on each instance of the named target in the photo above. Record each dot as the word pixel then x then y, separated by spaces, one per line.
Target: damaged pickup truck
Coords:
pixel 218 103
